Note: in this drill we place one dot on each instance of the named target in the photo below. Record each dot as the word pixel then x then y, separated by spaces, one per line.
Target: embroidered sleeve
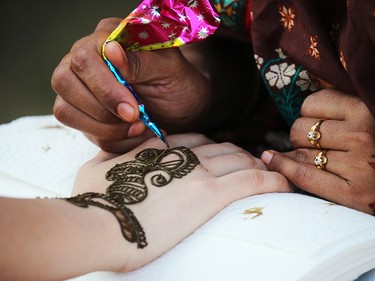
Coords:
pixel 234 14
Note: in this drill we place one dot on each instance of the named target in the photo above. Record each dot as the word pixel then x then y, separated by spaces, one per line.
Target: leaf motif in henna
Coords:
pixel 129 186
pixel 128 178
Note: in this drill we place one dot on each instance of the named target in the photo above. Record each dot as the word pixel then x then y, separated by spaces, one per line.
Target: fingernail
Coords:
pixel 114 47
pixel 267 157
pixel 126 112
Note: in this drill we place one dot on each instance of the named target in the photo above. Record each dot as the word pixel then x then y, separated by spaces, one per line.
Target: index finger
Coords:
pixel 102 30
pixel 308 177
pixel 328 104
pixel 87 63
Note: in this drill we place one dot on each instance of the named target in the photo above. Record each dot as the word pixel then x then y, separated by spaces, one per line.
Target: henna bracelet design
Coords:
pixel 129 185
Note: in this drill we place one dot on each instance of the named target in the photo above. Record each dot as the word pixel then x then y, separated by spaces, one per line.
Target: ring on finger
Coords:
pixel 313 135
pixel 321 160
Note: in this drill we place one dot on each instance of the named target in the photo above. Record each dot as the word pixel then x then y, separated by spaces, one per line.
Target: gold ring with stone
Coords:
pixel 313 135
pixel 321 160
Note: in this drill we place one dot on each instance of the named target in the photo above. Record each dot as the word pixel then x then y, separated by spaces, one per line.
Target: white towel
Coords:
pixel 295 237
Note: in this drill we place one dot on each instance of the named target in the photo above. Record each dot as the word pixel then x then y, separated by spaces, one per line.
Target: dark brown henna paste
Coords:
pixel 130 227
pixel 129 177
pixel 129 185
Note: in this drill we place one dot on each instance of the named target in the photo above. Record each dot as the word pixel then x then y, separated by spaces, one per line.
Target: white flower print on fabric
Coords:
pixel 281 53
pixel 305 82
pixel 259 61
pixel 280 74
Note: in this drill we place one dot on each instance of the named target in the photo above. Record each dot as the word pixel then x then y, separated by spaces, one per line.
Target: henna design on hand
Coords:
pixel 130 227
pixel 129 177
pixel 129 185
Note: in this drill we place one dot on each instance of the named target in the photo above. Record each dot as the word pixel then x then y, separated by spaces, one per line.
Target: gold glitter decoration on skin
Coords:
pixel 331 204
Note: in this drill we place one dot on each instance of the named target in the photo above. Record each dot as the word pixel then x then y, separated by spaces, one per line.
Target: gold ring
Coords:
pixel 321 160
pixel 313 135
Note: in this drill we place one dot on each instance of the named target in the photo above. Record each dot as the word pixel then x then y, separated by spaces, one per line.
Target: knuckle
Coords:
pixel 59 80
pixel 255 177
pixel 60 111
pixel 80 59
pixel 227 145
pixel 200 138
pixel 246 159
pixel 302 155
pixel 302 176
pixel 308 104
pixel 108 24
pixel 76 45
pixel 56 79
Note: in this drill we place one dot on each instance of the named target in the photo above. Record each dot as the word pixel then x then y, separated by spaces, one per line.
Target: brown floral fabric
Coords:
pixel 296 42
pixel 299 43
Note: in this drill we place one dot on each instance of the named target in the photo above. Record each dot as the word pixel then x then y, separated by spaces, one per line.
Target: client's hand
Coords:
pixel 170 193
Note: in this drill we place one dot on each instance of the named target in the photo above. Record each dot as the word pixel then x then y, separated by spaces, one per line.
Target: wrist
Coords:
pixel 99 235
pixel 42 234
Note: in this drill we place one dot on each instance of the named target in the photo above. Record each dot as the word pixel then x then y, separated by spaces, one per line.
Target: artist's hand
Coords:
pixel 90 99
pixel 348 136
pixel 171 212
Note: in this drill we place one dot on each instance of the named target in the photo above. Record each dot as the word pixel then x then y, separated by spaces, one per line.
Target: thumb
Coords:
pixel 142 66
pixel 116 54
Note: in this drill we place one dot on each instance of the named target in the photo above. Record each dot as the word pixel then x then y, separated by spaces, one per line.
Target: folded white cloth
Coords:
pixel 42 152
pixel 264 237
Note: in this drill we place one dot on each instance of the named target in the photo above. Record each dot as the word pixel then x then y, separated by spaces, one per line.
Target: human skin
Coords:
pixel 183 88
pixel 42 234
pixel 348 135
pixel 105 110
pixel 350 172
